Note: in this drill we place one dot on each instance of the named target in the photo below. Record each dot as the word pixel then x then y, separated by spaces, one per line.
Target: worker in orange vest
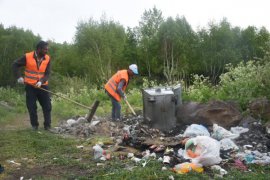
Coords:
pixel 36 74
pixel 116 86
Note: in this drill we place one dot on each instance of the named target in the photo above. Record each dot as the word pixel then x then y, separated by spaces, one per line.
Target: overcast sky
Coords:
pixel 57 19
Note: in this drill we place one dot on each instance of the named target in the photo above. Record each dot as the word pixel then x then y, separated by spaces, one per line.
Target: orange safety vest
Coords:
pixel 32 73
pixel 112 84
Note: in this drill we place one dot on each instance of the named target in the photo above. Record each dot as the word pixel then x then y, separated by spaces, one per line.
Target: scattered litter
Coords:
pixel 228 144
pixel 79 147
pixel 159 148
pixel 164 168
pixel 145 162
pixel 169 150
pixel 13 162
pixel 221 133
pixel 239 130
pixel 249 158
pixel 166 159
pixel 94 123
pixel 98 151
pixel 186 167
pixel 153 155
pixel 221 171
pixel 130 155
pixel 70 122
pixel 238 164
pixel 151 143
pixel 100 164
pixel 146 154
pixel 248 146
pixel 203 150
pixel 195 130
pixel 136 159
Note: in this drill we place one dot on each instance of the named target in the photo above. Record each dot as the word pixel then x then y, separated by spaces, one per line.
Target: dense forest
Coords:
pixel 166 50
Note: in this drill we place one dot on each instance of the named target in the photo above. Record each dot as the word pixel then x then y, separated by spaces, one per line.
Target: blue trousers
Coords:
pixel 116 109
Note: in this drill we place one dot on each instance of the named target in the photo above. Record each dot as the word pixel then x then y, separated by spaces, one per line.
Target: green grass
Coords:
pixel 44 155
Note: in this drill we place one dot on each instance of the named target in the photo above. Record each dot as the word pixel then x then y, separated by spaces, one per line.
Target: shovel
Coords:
pixel 92 110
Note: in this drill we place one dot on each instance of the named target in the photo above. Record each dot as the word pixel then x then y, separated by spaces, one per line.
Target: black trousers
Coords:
pixel 32 95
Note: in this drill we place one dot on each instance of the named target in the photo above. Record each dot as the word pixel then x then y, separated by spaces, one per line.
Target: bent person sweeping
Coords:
pixel 116 86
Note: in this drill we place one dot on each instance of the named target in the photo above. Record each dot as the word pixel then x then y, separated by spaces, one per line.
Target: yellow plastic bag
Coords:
pixel 184 168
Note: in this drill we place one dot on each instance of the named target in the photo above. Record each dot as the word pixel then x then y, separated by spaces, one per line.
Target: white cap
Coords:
pixel 134 68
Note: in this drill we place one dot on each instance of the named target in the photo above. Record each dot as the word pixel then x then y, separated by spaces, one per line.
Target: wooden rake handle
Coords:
pixel 132 110
pixel 79 104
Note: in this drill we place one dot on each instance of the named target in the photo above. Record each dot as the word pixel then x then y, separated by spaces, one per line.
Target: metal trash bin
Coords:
pixel 177 90
pixel 159 107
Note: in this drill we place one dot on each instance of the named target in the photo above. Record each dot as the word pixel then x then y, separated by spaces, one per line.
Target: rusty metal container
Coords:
pixel 159 106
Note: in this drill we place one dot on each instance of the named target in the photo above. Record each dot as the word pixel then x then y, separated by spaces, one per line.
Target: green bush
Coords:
pixel 245 82
pixel 201 90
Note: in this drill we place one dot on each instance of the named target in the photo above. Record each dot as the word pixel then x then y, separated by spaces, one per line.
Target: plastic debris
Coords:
pixel 195 130
pixel 146 154
pixel 221 171
pixel 136 159
pixel 240 165
pixel 164 168
pixel 184 168
pixel 166 159
pixel 221 133
pixel 98 151
pixel 130 155
pixel 13 162
pixel 79 147
pixel 71 122
pixel 239 130
pixel 203 150
pixel 228 144
pixel 249 158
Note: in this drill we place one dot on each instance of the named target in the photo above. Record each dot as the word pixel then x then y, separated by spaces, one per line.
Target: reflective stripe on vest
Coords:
pixel 112 84
pixel 32 73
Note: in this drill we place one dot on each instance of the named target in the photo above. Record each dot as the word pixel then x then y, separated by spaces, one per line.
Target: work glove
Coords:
pixel 38 84
pixel 20 80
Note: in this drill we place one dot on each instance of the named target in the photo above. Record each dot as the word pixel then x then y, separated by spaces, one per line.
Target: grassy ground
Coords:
pixel 43 155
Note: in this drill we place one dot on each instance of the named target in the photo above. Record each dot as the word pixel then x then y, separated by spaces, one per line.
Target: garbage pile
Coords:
pixel 183 149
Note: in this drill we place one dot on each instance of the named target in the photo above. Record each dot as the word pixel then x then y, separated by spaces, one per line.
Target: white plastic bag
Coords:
pixel 221 133
pixel 228 144
pixel 239 130
pixel 206 150
pixel 196 130
pixel 98 151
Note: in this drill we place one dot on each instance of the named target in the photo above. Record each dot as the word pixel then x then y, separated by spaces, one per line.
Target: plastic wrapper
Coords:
pixel 195 130
pixel 203 150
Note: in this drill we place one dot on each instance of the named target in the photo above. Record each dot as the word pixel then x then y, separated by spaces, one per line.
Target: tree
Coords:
pixel 218 47
pixel 177 43
pixel 14 43
pixel 100 45
pixel 130 51
pixel 148 45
